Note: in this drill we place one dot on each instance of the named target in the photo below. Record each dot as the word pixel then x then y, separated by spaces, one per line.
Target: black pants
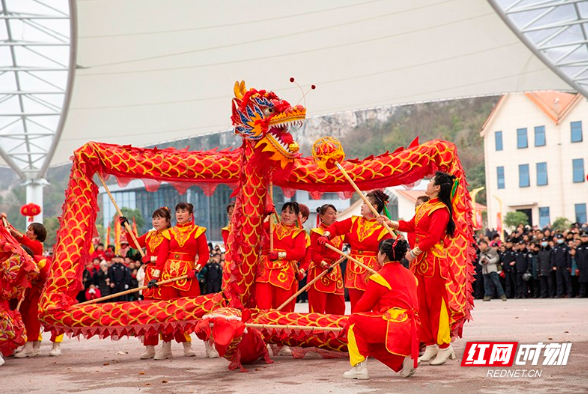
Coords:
pixel 522 286
pixel 478 286
pixel 511 283
pixel 546 286
pixel 564 279
pixel 213 286
pixel 583 289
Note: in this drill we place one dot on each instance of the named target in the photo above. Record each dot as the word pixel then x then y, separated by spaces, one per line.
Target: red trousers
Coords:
pixel 269 296
pixel 433 310
pixel 29 309
pixel 367 337
pixel 329 303
pixel 354 297
pixel 169 293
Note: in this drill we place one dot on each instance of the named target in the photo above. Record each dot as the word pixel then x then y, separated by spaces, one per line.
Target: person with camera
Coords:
pixel 489 262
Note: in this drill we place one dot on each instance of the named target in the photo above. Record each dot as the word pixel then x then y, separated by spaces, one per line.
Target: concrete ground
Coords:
pixel 105 366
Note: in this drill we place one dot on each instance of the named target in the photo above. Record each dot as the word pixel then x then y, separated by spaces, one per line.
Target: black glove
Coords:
pixel 152 283
pixel 330 269
pixel 123 220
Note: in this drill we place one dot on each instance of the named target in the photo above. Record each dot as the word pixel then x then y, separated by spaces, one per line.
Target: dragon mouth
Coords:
pixel 287 149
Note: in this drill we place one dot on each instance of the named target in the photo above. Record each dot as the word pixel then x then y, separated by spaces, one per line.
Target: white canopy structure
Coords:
pixel 147 71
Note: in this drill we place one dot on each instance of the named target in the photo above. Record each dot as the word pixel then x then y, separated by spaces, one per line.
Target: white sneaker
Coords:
pixel 188 352
pixel 27 351
pixel 443 355
pixel 36 348
pixel 359 371
pixel 408 368
pixel 430 352
pixel 285 351
pixel 18 350
pixel 56 350
pixel 2 359
pixel 164 353
pixel 210 350
pixel 148 353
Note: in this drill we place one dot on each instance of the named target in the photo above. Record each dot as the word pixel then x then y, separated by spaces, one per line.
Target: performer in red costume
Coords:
pixel 188 253
pixel 33 238
pixel 327 294
pixel 276 277
pixel 363 234
pixel 428 262
pixel 156 244
pixel 227 230
pixel 385 323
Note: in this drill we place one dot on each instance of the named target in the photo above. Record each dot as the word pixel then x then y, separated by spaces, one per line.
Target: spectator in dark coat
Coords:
pixel 119 278
pixel 562 265
pixel 545 267
pixel 102 279
pixel 582 262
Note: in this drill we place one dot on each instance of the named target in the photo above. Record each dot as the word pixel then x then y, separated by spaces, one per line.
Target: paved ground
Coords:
pixel 104 366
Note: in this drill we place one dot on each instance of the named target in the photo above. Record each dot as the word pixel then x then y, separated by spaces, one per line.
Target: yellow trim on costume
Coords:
pixel 199 231
pixel 307 239
pixel 42 263
pixel 379 279
pixel 59 338
pixel 318 230
pixel 355 356
pixel 166 234
pixel 444 335
pixel 188 337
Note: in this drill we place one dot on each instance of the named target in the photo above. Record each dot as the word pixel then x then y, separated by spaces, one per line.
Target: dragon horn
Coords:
pixel 243 88
pixel 237 90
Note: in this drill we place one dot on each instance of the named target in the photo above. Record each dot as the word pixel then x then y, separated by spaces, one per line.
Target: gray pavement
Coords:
pixel 105 366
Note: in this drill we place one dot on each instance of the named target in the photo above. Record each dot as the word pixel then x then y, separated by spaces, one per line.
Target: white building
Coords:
pixel 535 154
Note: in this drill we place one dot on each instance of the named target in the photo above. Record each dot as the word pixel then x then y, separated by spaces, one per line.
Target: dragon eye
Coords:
pixel 268 111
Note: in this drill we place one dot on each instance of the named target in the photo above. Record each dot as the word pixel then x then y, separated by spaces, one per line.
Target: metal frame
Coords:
pixel 27 144
pixel 561 44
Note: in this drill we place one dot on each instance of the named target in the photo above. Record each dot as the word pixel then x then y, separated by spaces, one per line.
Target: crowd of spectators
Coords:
pixel 532 263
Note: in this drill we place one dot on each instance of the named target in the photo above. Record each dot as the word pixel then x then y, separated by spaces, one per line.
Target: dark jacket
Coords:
pixel 522 261
pixel 582 261
pixel 545 261
pixel 561 256
pixel 508 257
pixel 119 275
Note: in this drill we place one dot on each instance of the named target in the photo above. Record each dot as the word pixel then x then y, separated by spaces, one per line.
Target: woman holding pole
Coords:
pixel 385 322
pixel 327 294
pixel 363 234
pixel 432 222
pixel 188 254
pixel 276 278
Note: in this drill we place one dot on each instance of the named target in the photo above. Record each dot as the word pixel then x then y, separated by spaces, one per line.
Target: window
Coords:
pixel 581 213
pixel 578 168
pixel 576 131
pixel 522 138
pixel 540 136
pixel 524 179
pixel 498 140
pixel 541 174
pixel 500 174
pixel 544 216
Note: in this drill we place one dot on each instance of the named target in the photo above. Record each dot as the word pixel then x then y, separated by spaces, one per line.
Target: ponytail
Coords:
pixel 448 187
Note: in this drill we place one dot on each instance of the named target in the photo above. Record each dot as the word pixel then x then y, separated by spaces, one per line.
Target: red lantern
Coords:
pixel 31 210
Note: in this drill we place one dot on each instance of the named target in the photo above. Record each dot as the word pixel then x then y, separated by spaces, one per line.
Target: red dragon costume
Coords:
pixel 268 152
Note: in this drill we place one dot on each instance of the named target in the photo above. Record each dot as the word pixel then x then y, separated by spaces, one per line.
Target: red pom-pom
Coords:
pixel 291 79
pixel 313 87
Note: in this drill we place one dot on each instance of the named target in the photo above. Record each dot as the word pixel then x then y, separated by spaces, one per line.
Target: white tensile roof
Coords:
pixel 150 71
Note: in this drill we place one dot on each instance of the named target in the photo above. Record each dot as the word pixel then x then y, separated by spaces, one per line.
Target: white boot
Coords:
pixel 55 350
pixel 188 352
pixel 18 350
pixel 443 355
pixel 1 359
pixel 359 371
pixel 211 350
pixel 285 351
pixel 36 348
pixel 408 368
pixel 148 353
pixel 165 352
pixel 430 352
pixel 27 351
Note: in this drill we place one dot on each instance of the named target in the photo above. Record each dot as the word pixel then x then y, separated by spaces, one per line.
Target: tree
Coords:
pixel 130 214
pixel 52 226
pixel 561 224
pixel 514 218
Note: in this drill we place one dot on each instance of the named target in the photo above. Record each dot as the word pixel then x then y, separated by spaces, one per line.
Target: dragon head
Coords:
pixel 264 119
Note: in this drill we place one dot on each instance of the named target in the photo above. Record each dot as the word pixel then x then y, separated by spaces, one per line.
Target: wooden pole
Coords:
pixel 271 224
pixel 163 282
pixel 292 327
pixel 310 283
pixel 364 198
pixel 334 249
pixel 127 226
